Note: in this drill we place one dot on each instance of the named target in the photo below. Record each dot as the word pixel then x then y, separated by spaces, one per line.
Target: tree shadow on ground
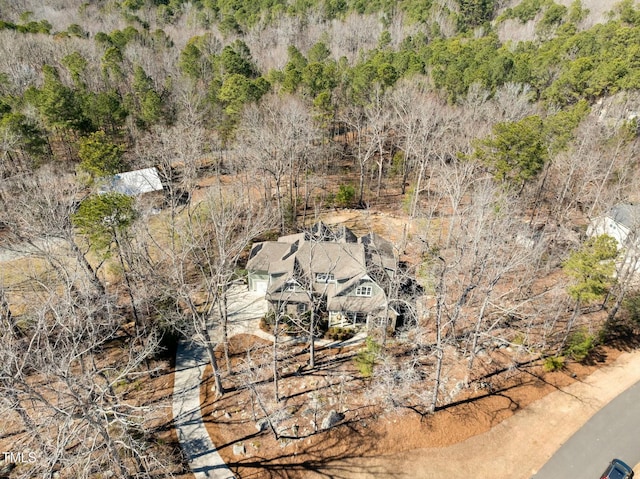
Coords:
pixel 621 334
pixel 334 457
pixel 506 393
pixel 470 407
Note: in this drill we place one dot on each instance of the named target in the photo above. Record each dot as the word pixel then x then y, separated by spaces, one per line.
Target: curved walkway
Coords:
pixel 526 441
pixel 245 310
pixel 204 460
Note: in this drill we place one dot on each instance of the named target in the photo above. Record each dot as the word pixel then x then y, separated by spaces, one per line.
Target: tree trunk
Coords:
pixel 222 308
pixel 416 191
pixel 139 327
pixel 6 318
pixel 436 386
pixel 86 266
pixel 476 334
pixel 361 186
pixel 380 166
pixel 276 327
pixel 438 346
pixel 280 209
pixel 210 347
pixel 626 277
pixel 570 323
pixel 312 339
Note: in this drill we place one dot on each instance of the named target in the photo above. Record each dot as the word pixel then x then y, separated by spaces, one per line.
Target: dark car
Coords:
pixel 617 470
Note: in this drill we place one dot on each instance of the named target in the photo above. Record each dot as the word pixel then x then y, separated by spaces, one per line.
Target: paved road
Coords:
pixel 614 431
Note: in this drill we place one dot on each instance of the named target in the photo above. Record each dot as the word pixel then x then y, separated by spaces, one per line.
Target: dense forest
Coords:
pixel 493 130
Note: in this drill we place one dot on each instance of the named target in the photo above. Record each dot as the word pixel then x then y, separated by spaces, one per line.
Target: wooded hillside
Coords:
pixel 491 132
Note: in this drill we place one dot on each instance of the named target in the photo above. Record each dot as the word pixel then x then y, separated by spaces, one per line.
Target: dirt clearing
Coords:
pixel 508 432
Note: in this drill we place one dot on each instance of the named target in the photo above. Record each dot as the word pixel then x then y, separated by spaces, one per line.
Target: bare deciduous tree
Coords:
pixel 276 137
pixel 70 396
pixel 196 266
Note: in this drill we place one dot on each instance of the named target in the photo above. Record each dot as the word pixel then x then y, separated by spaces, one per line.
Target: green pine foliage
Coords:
pixel 99 156
pixel 592 268
pixel 30 139
pixel 553 363
pixel 367 357
pixel 455 64
pixel 41 26
pixel 59 105
pixel 516 152
pixel 524 11
pixel 580 344
pixel 568 70
pixel 345 196
pixel 101 218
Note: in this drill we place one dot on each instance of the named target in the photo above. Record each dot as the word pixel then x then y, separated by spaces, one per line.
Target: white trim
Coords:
pixel 364 290
pixel 325 278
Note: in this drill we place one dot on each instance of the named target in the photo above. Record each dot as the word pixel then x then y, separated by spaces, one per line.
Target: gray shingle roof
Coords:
pixel 625 214
pixel 344 260
pixel 263 254
pixel 302 256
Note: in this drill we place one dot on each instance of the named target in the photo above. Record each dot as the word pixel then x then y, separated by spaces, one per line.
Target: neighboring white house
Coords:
pixel 133 183
pixel 622 222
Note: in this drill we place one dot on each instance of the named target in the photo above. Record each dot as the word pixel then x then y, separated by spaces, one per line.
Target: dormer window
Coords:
pixel 290 286
pixel 325 278
pixel 364 290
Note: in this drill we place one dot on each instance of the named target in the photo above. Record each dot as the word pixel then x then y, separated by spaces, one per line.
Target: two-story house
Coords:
pixel 322 269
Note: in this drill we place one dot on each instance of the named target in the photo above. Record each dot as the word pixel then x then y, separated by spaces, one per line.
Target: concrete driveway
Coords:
pixel 245 308
pixel 244 312
pixel 204 460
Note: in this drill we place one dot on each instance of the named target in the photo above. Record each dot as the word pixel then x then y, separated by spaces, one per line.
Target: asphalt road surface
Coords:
pixel 614 432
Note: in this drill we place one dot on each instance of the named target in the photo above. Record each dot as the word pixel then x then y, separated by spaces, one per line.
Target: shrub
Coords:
pixel 553 15
pixel 366 358
pixel 267 322
pixel 553 363
pixel 339 334
pixel 293 325
pixel 580 345
pixel 524 11
pixel 397 163
pixel 345 195
pixel 631 308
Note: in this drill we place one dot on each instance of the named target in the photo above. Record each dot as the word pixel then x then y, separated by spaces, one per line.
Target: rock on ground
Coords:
pixel 332 419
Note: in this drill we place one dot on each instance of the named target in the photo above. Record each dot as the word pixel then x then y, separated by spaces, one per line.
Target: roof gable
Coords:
pixel 344 260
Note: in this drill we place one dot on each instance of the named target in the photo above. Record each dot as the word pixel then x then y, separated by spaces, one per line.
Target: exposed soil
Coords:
pixel 355 447
pixel 153 391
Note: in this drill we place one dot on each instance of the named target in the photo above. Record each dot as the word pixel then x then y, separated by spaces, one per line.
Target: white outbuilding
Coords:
pixel 133 183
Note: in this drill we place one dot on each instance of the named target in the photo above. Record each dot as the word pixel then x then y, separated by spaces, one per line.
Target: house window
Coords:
pixel 364 290
pixel 325 278
pixel 355 317
pixel 290 286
